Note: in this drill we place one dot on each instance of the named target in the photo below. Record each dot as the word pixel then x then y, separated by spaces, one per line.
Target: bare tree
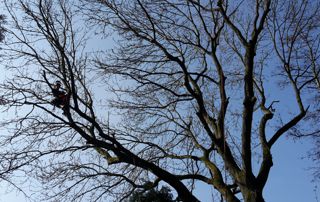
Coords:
pixel 193 80
pixel 295 34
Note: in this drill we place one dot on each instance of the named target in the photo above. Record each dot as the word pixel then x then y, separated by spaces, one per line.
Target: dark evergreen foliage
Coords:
pixel 153 195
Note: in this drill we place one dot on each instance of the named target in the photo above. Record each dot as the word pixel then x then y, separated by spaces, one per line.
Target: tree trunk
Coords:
pixel 252 195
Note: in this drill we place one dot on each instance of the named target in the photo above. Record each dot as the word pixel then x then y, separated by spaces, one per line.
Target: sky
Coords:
pixel 290 179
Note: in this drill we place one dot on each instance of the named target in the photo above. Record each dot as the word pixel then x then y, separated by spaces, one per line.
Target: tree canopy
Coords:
pixel 162 195
pixel 197 91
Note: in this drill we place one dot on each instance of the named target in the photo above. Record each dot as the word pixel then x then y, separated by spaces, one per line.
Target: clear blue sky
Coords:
pixel 290 178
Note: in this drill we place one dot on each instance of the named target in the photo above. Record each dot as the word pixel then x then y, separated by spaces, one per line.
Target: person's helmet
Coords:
pixel 58 83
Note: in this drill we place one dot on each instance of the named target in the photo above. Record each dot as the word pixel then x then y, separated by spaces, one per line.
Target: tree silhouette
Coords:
pixel 153 195
pixel 195 83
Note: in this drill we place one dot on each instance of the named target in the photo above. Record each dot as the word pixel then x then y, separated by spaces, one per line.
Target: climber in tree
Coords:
pixel 61 98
